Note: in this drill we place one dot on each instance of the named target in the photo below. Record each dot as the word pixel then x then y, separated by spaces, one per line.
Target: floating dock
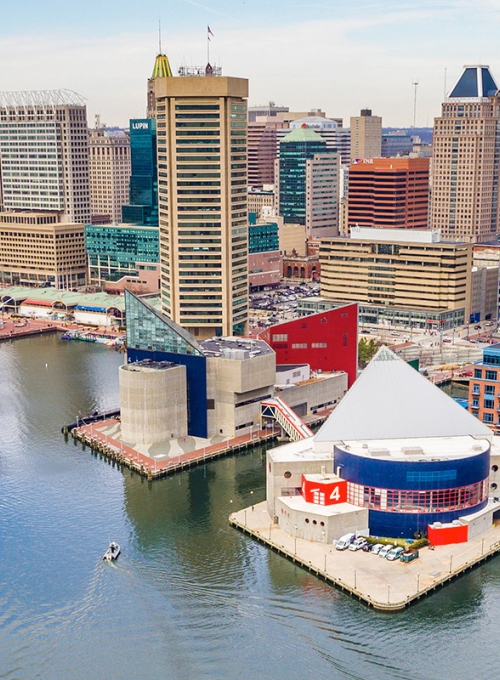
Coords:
pixel 378 583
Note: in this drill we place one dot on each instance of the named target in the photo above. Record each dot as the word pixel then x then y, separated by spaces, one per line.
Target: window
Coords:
pixel 478 373
pixel 488 418
pixel 280 337
pixel 490 375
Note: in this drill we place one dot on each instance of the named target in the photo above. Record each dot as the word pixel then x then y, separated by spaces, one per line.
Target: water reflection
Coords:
pixel 190 597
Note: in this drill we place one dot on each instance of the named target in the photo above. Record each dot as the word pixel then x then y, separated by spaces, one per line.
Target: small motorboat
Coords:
pixel 112 552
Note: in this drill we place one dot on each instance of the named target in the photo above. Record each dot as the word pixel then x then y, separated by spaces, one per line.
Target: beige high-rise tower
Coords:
pixel 466 157
pixel 202 189
pixel 109 167
pixel 366 135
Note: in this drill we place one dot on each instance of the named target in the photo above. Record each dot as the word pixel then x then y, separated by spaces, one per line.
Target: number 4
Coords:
pixel 335 495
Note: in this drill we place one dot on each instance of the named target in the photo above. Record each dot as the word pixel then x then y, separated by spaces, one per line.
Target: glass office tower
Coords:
pixel 143 208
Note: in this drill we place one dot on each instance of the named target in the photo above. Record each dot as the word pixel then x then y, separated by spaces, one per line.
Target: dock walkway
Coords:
pixel 95 437
pixel 383 585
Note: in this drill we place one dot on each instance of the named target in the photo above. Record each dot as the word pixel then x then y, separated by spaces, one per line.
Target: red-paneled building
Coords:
pixel 389 193
pixel 327 341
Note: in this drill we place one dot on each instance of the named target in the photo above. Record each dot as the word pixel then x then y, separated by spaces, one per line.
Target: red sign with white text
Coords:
pixel 324 491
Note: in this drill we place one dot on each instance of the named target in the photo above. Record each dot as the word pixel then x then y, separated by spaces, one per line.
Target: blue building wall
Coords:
pixel 406 525
pixel 412 476
pixel 196 378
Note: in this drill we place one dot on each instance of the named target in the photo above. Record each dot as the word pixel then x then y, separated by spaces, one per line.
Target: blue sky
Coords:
pixel 337 56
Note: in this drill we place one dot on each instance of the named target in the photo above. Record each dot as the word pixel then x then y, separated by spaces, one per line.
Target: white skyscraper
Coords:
pixel 44 153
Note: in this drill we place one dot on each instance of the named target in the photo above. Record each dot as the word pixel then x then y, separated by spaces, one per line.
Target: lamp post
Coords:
pixel 388 594
pixel 451 562
pixel 418 582
pixel 295 549
pixel 355 579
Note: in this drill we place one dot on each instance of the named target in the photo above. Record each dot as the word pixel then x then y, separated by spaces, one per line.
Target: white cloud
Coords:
pixel 338 64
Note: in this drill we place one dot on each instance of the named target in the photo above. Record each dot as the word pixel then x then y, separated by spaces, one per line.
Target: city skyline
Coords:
pixel 367 54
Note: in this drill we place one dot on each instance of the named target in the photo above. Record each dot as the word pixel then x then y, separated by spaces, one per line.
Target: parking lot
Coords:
pixel 269 307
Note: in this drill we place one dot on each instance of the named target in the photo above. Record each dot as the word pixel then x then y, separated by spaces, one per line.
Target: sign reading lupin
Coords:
pixel 324 489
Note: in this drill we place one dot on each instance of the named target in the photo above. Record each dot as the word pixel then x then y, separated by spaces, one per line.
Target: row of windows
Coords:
pixel 438 500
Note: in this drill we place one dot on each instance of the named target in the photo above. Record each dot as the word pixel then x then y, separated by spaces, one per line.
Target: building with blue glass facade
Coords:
pixel 113 250
pixel 143 208
pixel 407 452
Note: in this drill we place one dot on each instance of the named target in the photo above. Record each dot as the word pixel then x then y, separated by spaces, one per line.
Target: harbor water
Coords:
pixel 189 597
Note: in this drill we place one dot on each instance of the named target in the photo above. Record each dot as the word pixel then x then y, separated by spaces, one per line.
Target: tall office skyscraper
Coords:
pixel 143 197
pixel 307 186
pixel 44 162
pixel 366 135
pixel 389 192
pixel 202 188
pixel 109 167
pixel 466 141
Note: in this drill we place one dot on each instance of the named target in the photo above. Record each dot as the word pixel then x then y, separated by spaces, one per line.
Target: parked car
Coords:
pixel 394 554
pixel 345 541
pixel 409 555
pixel 367 547
pixel 385 550
pixel 377 548
pixel 358 543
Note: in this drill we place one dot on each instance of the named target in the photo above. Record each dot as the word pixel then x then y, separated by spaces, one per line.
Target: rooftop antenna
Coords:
pixel 444 83
pixel 159 36
pixel 415 85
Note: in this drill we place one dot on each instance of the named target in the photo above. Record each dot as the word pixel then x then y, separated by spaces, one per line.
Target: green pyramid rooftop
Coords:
pixel 303 134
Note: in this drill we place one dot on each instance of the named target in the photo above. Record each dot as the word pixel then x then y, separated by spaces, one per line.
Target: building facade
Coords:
pixel 114 250
pixel 308 187
pixel 484 389
pixel 400 276
pixel 44 160
pixel 366 135
pixel 37 249
pixel 389 193
pixel 142 208
pixel 264 257
pixel 394 454
pixel 327 341
pixel 109 169
pixel 262 150
pixel 202 169
pixel 466 145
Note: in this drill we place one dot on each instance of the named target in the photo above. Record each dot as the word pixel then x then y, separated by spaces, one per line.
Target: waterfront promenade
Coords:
pixel 383 585
pixel 12 329
pixel 159 460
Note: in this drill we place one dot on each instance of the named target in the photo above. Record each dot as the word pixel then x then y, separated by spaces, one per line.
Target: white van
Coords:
pixel 345 541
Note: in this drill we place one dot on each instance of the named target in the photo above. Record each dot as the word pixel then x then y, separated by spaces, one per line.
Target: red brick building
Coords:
pixel 389 193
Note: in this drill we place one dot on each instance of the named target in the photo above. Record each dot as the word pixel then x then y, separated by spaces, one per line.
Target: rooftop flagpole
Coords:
pixel 209 33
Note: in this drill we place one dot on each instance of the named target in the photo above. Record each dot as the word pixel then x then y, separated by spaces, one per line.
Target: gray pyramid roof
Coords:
pixel 474 83
pixel 391 400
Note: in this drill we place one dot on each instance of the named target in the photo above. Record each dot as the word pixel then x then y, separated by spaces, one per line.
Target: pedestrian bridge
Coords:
pixel 286 417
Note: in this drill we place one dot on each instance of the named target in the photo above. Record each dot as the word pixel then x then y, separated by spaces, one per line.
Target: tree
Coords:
pixel 367 348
